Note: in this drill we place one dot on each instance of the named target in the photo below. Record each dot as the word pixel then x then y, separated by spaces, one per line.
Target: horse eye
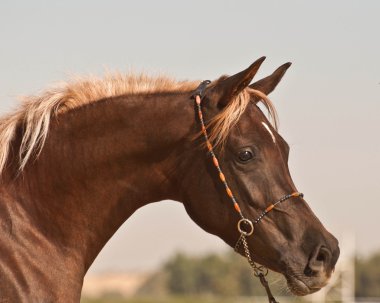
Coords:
pixel 245 155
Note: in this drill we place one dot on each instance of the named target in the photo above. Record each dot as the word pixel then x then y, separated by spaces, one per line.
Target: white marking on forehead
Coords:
pixel 268 129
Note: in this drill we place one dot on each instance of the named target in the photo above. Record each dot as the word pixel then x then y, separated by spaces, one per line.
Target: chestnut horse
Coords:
pixel 81 158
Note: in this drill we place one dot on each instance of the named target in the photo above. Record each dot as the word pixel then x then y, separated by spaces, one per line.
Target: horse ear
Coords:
pixel 268 84
pixel 230 87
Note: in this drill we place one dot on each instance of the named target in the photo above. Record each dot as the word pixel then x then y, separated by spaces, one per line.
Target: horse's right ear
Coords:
pixel 230 87
pixel 268 84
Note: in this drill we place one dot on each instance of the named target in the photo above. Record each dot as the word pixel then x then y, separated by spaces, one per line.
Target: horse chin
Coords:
pixel 298 287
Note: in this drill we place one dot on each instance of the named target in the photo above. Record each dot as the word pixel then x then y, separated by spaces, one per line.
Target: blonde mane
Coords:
pixel 222 123
pixel 36 112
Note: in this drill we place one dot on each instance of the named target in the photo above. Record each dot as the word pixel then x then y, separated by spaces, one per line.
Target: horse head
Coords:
pixel 253 158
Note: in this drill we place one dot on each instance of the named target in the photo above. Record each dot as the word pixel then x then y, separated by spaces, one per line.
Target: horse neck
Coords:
pixel 99 164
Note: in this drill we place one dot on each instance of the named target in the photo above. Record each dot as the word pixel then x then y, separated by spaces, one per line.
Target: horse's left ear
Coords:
pixel 268 84
pixel 230 87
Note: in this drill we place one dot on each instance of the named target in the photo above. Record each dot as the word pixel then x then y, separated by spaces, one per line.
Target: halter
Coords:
pixel 259 271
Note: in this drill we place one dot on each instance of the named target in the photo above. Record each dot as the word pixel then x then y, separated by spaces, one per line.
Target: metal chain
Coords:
pixel 257 269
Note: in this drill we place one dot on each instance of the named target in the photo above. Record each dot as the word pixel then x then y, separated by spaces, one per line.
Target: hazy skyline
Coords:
pixel 328 102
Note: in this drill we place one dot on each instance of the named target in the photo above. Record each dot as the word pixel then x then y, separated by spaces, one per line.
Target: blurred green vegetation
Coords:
pixel 367 276
pixel 212 278
pixel 220 275
pixel 228 278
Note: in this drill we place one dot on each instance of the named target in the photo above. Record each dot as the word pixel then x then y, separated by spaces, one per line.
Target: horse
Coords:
pixel 80 158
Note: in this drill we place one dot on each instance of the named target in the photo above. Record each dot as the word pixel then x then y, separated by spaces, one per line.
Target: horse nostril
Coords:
pixel 322 256
pixel 308 271
pixel 319 262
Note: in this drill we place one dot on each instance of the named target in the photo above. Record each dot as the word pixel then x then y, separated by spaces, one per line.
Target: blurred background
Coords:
pixel 328 103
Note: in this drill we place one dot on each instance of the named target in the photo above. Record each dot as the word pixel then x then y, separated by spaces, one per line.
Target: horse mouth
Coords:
pixel 299 287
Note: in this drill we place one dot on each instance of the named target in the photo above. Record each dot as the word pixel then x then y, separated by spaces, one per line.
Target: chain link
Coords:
pixel 257 269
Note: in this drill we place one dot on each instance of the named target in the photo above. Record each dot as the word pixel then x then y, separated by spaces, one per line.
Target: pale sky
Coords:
pixel 328 102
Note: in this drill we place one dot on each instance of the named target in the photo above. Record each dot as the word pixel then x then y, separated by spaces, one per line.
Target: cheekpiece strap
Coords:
pixel 200 89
